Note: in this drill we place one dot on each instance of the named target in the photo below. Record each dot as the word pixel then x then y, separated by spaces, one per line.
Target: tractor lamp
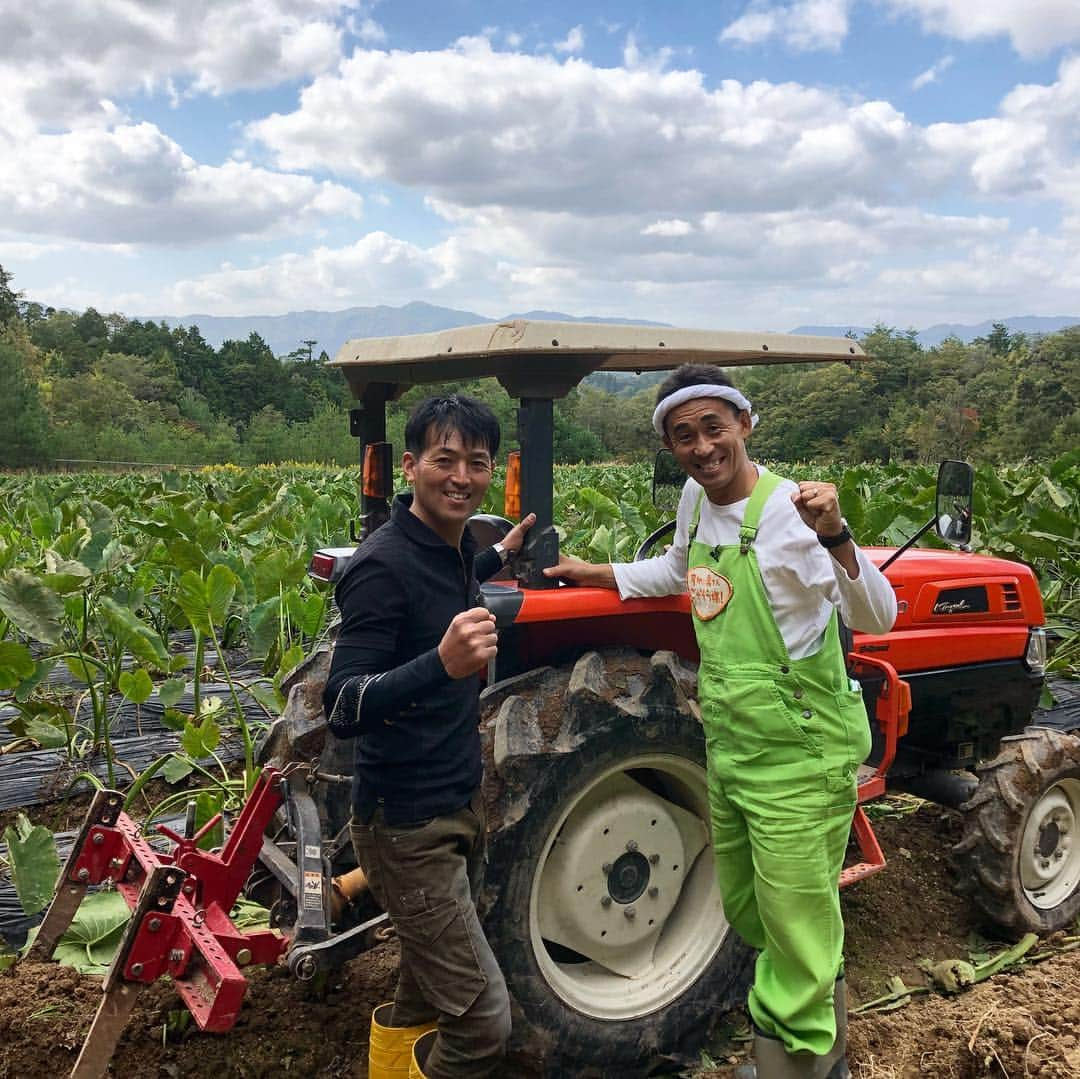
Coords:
pixel 1035 654
pixel 512 494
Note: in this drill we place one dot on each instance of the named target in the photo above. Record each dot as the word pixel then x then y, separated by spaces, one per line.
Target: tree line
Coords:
pixel 108 388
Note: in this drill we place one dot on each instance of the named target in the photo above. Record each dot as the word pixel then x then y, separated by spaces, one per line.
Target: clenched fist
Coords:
pixel 468 643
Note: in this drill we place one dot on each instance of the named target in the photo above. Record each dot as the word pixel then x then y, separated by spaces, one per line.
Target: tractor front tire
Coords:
pixel 601 902
pixel 1019 856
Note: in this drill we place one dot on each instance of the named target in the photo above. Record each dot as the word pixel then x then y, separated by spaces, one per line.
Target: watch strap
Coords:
pixel 841 537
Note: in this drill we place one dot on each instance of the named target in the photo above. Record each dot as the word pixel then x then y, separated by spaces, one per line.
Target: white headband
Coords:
pixel 688 393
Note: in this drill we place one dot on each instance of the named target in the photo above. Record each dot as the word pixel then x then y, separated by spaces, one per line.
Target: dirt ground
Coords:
pixel 1016 1025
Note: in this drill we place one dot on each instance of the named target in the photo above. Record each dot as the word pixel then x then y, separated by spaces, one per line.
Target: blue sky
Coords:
pixel 752 165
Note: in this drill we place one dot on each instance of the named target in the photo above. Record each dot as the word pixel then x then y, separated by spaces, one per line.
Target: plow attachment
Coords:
pixel 181 902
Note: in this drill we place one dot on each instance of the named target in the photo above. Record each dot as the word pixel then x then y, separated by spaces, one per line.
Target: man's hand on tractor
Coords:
pixel 469 642
pixel 512 541
pixel 819 507
pixel 569 568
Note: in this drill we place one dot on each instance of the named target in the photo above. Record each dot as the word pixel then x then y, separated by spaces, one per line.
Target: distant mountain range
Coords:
pixel 329 330
pixel 934 335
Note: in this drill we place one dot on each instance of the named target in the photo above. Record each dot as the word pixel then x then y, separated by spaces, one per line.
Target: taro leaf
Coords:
pixel 136 685
pixel 220 588
pixel 206 602
pixel 599 503
pixel 158 529
pixel 177 768
pixel 16 664
pixel 600 543
pixel 200 741
pixel 79 669
pixel 95 933
pixel 139 638
pixel 311 618
pixel 207 805
pixel 1057 496
pixel 247 915
pixel 45 734
pixel 35 865
pixel 185 554
pixel 269 697
pixel 278 568
pixel 264 515
pixel 174 720
pixel 262 625
pixel 92 554
pixel 305 611
pixel 65 576
pixel 31 606
pixel 171 691
pixel 1066 461
pixel 42 670
pixel 292 658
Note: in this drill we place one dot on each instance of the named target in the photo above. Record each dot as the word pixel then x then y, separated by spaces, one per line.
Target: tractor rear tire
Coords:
pixel 601 902
pixel 1019 857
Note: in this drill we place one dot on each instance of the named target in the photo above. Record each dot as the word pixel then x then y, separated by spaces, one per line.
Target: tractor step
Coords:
pixel 873 860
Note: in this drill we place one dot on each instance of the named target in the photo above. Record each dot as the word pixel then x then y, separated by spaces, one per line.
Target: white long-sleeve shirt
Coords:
pixel 803 582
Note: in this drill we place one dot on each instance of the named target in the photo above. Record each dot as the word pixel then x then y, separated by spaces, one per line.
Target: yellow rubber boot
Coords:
pixel 421 1048
pixel 390 1048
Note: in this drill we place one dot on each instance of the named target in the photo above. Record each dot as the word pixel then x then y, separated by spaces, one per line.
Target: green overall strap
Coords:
pixel 767 483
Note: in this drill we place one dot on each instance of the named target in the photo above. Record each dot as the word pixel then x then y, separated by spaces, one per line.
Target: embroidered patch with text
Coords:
pixel 709 591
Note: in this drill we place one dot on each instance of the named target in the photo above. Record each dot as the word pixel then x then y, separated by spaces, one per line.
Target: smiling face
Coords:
pixel 708 438
pixel 449 481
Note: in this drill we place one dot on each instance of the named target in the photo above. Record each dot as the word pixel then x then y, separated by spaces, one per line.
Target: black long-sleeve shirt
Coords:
pixel 417 743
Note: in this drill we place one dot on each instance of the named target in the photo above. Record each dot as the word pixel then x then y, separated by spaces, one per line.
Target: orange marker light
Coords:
pixel 378 478
pixel 512 496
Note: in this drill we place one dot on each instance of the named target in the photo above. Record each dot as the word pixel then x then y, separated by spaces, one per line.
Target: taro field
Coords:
pixel 147 620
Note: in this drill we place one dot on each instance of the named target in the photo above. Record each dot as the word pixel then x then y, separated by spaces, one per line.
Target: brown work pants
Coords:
pixel 426 876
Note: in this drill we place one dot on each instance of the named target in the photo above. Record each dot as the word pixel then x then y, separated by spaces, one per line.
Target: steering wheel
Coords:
pixel 652 539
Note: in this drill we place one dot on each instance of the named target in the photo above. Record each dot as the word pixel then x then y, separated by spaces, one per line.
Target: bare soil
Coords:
pixel 1016 1024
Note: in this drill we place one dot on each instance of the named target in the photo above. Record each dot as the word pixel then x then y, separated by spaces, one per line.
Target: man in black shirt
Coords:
pixel 404 682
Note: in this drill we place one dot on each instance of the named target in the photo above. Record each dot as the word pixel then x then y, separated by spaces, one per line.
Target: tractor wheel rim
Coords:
pixel 625 912
pixel 1050 846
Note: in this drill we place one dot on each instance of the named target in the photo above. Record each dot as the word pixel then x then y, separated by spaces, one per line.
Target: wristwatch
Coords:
pixel 841 537
pixel 501 551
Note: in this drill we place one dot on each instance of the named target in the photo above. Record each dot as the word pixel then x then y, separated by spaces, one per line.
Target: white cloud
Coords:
pixel 932 73
pixel 766 270
pixel 369 32
pixel 473 126
pixel 804 26
pixel 378 265
pixel 671 227
pixel 1033 26
pixel 134 184
pixel 65 63
pixel 1031 147
pixel 574 42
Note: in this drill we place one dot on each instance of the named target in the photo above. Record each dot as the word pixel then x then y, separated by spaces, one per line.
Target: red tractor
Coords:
pixel 600 901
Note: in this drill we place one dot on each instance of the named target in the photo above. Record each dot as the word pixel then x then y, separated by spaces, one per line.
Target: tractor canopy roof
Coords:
pixel 547 359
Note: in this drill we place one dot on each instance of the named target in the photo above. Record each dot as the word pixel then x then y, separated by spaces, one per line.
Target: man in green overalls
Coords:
pixel 768 564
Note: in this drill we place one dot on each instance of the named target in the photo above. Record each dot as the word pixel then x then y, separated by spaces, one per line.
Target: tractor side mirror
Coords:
pixel 953 507
pixel 667 482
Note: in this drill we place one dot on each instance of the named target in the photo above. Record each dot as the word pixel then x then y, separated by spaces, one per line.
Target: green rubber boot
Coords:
pixel 773 1061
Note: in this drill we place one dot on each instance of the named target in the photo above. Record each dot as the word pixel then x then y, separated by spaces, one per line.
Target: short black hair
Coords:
pixel 437 417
